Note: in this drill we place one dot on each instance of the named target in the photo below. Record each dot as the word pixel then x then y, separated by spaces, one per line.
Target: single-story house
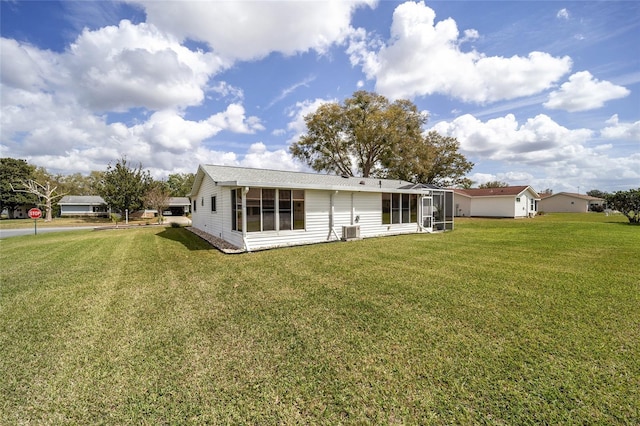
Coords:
pixel 20 212
pixel 83 205
pixel 509 201
pixel 94 205
pixel 256 209
pixel 178 206
pixel 569 203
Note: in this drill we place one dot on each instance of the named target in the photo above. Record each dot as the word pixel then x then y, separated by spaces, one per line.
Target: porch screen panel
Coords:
pixel 413 209
pixel 253 210
pixel 298 209
pixel 284 209
pixel 268 209
pixel 386 208
pixel 405 208
pixel 395 208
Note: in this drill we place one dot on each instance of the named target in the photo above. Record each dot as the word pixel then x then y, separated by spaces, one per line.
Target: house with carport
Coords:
pixel 507 202
pixel 568 202
pixel 83 205
pixel 255 209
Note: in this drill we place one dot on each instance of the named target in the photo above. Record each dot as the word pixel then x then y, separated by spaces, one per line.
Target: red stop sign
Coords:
pixel 35 213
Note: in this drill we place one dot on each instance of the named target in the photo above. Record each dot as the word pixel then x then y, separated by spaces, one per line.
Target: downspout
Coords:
pixel 244 218
pixel 331 216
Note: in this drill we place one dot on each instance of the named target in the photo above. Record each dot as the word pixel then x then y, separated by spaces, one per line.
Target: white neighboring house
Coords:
pixel 567 202
pixel 509 201
pixel 83 205
pixel 256 209
pixel 94 205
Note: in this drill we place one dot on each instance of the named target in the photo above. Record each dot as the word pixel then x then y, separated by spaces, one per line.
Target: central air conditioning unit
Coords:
pixel 350 232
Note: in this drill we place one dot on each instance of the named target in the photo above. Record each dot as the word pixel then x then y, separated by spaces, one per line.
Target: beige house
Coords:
pixel 509 201
pixel 567 202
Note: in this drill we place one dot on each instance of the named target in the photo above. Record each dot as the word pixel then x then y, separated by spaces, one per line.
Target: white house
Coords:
pixel 568 202
pixel 510 201
pixel 255 209
pixel 94 205
pixel 83 205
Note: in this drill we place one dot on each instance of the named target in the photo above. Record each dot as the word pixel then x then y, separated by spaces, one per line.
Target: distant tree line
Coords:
pixel 122 186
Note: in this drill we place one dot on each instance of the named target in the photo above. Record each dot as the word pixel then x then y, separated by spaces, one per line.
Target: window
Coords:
pixel 194 205
pixel 269 209
pixel 213 203
pixel 517 199
pixel 399 208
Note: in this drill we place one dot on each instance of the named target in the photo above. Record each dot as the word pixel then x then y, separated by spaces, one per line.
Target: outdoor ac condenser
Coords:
pixel 350 232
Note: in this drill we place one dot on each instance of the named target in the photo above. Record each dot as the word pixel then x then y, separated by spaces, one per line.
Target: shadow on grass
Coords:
pixel 186 238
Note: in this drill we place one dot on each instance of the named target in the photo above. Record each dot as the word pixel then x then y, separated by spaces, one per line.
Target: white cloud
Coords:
pixel 584 92
pixel 423 57
pixel 258 156
pixel 252 30
pixel 561 158
pixel 618 130
pixel 117 68
pixel 563 14
pixel 539 139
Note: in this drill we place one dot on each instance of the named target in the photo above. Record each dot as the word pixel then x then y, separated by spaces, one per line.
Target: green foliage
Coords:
pixel 180 184
pixel 414 329
pixel 366 127
pixel 433 159
pixel 123 187
pixel 157 197
pixel 627 203
pixel 14 172
pixel 597 193
pixel 494 184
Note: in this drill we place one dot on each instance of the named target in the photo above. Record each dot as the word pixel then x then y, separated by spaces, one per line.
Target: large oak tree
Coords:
pixel 369 136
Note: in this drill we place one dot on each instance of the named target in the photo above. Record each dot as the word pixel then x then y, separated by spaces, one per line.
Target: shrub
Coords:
pixel 175 225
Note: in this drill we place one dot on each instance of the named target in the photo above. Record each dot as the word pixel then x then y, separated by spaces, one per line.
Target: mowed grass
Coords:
pixel 499 322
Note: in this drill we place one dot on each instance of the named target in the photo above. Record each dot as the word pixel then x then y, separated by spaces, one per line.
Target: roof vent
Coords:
pixel 346 176
pixel 361 182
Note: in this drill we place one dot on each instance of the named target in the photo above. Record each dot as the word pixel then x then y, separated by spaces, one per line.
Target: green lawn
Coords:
pixel 498 322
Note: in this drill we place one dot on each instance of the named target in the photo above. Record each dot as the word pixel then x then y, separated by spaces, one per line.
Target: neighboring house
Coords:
pixel 178 206
pixel 255 209
pixel 20 212
pixel 510 201
pixel 94 205
pixel 567 202
pixel 83 205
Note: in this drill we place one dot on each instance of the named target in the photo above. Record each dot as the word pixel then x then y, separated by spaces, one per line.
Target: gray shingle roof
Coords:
pixel 85 200
pixel 241 176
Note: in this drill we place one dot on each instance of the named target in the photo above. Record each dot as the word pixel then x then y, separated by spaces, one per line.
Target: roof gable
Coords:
pixel 572 195
pixel 507 191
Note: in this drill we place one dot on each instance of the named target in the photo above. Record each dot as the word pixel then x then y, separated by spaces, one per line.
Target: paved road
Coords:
pixel 6 233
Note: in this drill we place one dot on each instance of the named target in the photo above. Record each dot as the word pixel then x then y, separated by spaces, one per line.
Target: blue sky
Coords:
pixel 541 93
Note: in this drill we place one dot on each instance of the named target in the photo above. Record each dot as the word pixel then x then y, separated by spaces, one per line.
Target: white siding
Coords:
pixel 462 205
pixel 493 206
pixel 563 204
pixel 366 206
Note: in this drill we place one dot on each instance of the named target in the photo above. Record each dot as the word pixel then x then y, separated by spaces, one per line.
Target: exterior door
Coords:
pixel 427 214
